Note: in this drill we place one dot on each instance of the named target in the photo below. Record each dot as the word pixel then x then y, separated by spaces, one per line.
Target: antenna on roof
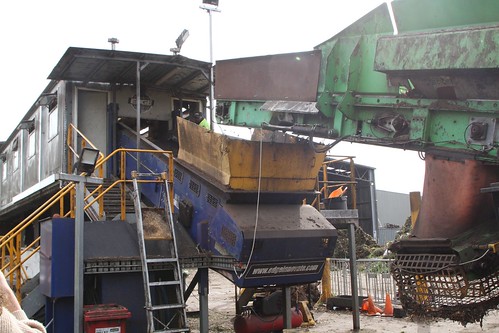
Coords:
pixel 180 41
pixel 113 42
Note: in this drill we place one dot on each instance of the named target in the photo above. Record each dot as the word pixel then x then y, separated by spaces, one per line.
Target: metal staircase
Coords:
pixel 112 201
pixel 164 314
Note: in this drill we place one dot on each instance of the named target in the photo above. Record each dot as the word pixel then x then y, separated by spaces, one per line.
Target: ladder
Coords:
pixel 162 316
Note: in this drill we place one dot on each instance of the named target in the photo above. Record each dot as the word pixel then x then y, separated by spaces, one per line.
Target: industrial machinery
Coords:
pixel 432 87
pixel 239 199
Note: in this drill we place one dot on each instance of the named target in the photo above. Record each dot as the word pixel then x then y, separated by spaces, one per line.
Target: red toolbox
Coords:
pixel 105 318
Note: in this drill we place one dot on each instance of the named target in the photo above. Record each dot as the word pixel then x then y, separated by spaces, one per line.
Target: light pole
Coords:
pixel 211 6
pixel 85 164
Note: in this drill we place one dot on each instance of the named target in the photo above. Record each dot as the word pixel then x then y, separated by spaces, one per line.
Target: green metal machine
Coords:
pixel 432 87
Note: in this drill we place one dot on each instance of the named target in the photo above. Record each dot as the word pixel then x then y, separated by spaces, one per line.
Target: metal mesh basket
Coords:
pixel 437 285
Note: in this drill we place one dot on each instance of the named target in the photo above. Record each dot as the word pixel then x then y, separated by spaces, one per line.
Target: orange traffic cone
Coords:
pixel 388 307
pixel 372 309
pixel 365 305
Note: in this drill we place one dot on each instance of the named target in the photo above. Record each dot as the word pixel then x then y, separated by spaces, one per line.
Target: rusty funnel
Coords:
pixel 452 202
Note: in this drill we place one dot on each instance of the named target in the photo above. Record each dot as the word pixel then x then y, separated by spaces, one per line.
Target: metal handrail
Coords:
pixel 123 179
pixel 10 243
pixel 327 184
pixel 72 143
pixel 84 142
pixel 14 250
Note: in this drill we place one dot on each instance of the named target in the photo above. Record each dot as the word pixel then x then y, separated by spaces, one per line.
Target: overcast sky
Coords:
pixel 35 34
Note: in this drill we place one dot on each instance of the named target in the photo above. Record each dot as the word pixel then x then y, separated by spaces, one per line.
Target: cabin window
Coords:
pixel 4 169
pixel 53 123
pixel 183 108
pixel 31 144
pixel 15 155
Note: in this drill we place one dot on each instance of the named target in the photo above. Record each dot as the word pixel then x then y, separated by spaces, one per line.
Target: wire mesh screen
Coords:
pixel 438 286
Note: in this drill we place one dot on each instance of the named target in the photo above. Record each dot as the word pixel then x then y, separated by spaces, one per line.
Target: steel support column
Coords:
pixel 286 294
pixel 203 292
pixel 353 276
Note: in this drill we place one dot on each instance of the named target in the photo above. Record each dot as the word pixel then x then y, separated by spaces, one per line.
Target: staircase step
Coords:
pixel 112 199
pixel 160 260
pixel 164 283
pixel 167 306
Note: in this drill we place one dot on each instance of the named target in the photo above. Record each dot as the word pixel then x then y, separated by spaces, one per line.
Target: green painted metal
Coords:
pixel 463 49
pixel 247 114
pixel 418 15
pixel 430 88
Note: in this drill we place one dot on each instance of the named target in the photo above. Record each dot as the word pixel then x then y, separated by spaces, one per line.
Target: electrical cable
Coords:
pixel 326 148
pixel 476 259
pixel 257 209
pixel 422 155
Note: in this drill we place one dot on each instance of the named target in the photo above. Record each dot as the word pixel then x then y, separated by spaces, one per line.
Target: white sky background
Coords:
pixel 35 34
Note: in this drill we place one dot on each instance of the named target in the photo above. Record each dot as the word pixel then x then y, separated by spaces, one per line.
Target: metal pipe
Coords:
pixel 286 292
pixel 374 204
pixel 211 114
pixel 137 93
pixel 78 274
pixel 353 277
pixel 212 86
pixel 353 183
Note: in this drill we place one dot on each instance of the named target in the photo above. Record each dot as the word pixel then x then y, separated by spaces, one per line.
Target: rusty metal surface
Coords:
pixel 285 77
pixel 452 202
pixel 236 163
pixel 460 85
pixel 439 71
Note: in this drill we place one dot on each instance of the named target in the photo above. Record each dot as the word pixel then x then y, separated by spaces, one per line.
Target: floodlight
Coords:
pixel 180 41
pixel 88 159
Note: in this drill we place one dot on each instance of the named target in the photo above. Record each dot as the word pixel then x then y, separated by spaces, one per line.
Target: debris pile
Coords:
pixel 365 245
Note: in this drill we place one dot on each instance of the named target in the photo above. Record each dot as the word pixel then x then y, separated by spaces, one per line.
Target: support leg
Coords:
pixel 203 300
pixel 286 294
pixel 353 276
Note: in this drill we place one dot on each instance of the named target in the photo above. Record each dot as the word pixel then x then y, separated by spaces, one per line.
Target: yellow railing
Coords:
pixel 90 199
pixel 325 186
pixel 75 142
pixel 11 247
pixel 14 253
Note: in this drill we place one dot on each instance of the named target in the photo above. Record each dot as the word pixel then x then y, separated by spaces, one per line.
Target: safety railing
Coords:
pixel 373 278
pixel 75 142
pixel 326 186
pixel 123 179
pixel 13 251
pixel 14 254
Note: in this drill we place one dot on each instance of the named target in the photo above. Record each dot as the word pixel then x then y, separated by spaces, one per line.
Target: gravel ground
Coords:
pixel 222 312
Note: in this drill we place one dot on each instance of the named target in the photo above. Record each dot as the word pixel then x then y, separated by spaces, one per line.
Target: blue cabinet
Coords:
pixel 57 258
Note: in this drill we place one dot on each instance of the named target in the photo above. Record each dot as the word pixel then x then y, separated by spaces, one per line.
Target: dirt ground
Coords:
pixel 222 311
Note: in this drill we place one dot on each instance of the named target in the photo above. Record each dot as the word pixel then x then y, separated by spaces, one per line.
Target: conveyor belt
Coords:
pixel 112 247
